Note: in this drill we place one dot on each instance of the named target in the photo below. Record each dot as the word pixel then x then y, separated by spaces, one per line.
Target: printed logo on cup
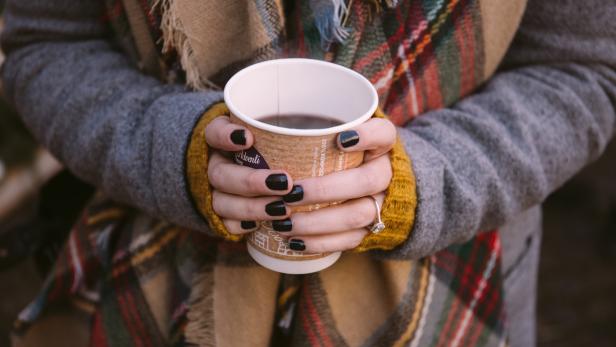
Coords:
pixel 251 158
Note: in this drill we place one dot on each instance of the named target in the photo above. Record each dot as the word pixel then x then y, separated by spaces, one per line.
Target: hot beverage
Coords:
pixel 300 121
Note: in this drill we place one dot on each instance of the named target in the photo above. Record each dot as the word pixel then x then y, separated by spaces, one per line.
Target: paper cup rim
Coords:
pixel 301 132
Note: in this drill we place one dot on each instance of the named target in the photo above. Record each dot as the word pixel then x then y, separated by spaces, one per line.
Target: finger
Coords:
pixel 328 243
pixel 240 208
pixel 227 136
pixel 231 178
pixel 354 214
pixel 368 179
pixel 237 227
pixel 377 136
pixel 371 155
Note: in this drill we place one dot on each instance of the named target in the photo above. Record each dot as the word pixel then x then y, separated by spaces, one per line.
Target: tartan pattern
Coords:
pixel 111 253
pixel 316 326
pixel 452 298
pixel 475 304
pixel 421 55
pixel 469 305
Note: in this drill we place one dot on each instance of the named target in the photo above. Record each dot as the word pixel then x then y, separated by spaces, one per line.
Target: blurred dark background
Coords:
pixel 577 284
pixel 577 277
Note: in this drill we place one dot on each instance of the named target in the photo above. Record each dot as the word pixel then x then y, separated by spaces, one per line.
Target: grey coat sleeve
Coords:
pixel 110 124
pixel 549 111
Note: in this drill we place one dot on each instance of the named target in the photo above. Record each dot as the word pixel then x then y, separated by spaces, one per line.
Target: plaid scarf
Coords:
pixel 147 283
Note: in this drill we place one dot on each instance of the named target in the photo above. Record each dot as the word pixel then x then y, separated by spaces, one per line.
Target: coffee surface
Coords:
pixel 300 121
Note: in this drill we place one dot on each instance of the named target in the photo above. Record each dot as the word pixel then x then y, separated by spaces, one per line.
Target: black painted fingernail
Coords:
pixel 277 182
pixel 348 138
pixel 296 194
pixel 282 225
pixel 238 137
pixel 297 245
pixel 276 208
pixel 248 224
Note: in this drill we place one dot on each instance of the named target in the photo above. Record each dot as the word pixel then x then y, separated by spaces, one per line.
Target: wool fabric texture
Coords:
pixel 398 210
pixel 197 157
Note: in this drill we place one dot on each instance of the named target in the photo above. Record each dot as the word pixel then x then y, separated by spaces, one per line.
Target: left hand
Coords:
pixel 343 226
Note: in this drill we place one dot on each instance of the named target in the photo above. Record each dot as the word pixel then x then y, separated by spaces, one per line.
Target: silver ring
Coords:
pixel 378 225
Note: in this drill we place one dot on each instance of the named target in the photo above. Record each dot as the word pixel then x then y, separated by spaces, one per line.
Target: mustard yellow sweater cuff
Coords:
pixel 398 210
pixel 196 171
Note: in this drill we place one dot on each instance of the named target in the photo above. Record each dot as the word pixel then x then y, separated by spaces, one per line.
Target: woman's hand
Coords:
pixel 243 195
pixel 343 226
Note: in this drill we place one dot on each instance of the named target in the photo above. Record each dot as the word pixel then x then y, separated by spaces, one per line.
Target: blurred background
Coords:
pixel 577 280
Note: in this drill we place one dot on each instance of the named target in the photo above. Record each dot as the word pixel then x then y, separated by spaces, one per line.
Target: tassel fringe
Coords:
pixel 175 38
pixel 200 327
pixel 328 17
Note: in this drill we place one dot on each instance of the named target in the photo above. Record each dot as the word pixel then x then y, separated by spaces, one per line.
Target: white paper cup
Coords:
pixel 297 87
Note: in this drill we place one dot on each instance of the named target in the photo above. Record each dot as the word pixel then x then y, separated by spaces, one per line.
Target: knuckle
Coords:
pixel 386 177
pixel 215 175
pixel 391 131
pixel 221 136
pixel 217 203
pixel 388 134
pixel 209 134
pixel 213 132
pixel 370 179
pixel 253 209
pixel 319 245
pixel 361 215
pixel 222 139
pixel 356 239
pixel 230 227
pixel 253 181
pixel 320 188
pixel 383 180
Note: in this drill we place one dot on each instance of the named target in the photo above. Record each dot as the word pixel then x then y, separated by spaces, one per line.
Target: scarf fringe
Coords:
pixel 200 326
pixel 175 38
pixel 328 18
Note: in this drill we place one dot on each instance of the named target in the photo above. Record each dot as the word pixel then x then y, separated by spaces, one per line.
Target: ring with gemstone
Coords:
pixel 378 225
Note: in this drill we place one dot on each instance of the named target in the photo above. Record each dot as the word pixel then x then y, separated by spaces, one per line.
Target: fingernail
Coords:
pixel 297 245
pixel 296 194
pixel 248 224
pixel 276 208
pixel 238 137
pixel 277 182
pixel 348 138
pixel 282 225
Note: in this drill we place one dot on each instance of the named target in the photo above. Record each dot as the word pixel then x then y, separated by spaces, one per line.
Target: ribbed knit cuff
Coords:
pixel 196 172
pixel 398 210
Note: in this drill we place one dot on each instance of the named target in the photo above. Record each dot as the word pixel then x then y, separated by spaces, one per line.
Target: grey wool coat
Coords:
pixel 486 162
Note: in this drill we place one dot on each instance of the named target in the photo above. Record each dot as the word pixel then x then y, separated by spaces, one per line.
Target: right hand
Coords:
pixel 242 195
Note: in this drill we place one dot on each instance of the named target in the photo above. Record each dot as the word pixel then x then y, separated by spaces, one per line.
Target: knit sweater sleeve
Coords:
pixel 110 124
pixel 549 111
